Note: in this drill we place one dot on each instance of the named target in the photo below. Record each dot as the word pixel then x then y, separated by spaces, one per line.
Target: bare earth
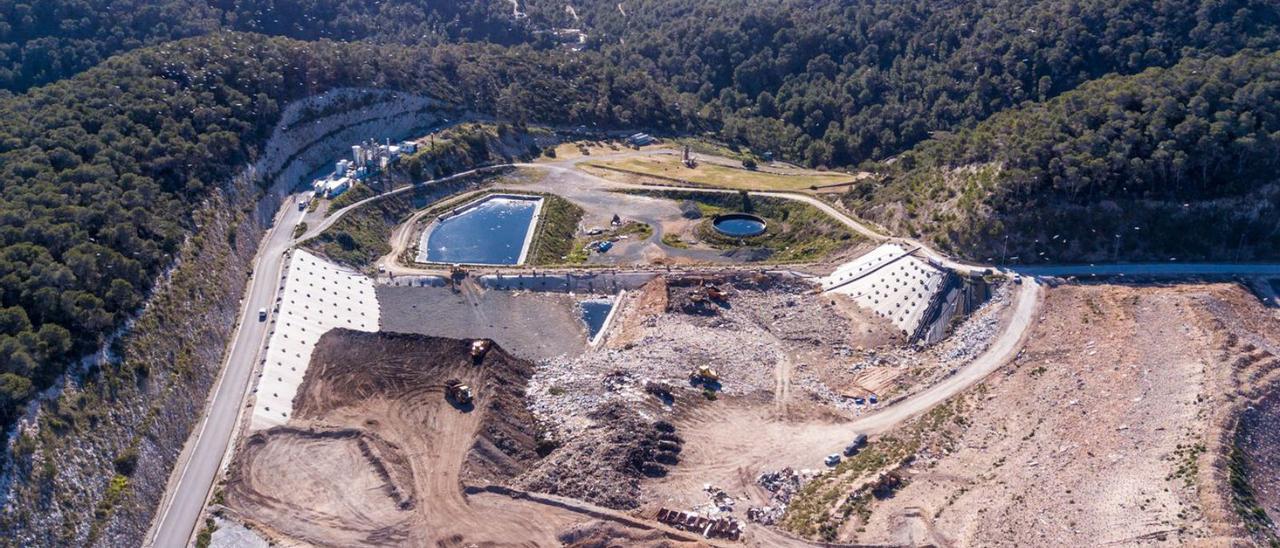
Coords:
pixel 1092 437
pixel 376 456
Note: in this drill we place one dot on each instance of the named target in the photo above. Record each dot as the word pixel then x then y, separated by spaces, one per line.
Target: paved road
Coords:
pixel 179 514
pixel 197 467
pixel 1153 269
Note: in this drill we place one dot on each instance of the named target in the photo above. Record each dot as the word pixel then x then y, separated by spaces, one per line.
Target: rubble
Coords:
pixel 976 333
pixel 781 485
pixel 723 527
pixel 743 342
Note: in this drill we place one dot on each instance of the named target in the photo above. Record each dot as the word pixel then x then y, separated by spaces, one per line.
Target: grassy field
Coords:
pixel 553 243
pixel 668 166
pixel 798 232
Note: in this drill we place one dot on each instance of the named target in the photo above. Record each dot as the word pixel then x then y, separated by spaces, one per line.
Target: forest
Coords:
pixel 1002 116
pixel 43 41
pixel 102 171
pixel 1170 164
pixel 839 83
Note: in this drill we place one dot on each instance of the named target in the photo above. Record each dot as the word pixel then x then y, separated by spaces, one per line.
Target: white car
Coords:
pixel 832 459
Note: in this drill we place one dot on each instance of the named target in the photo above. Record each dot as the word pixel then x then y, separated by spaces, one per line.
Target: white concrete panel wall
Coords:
pixel 889 283
pixel 318 296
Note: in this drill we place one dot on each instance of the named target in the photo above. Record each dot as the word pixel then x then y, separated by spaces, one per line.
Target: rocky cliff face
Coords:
pixel 90 463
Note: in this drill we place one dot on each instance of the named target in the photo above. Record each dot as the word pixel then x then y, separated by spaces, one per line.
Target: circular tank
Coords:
pixel 739 225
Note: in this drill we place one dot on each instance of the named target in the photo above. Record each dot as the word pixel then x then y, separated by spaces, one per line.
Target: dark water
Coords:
pixel 739 226
pixel 594 313
pixel 490 233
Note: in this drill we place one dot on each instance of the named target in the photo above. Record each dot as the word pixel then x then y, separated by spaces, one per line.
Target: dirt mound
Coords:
pixel 1258 461
pixel 604 464
pixel 281 488
pixel 376 455
pixel 607 535
pixel 354 366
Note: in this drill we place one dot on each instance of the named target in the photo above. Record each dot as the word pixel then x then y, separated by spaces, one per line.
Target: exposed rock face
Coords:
pixel 89 466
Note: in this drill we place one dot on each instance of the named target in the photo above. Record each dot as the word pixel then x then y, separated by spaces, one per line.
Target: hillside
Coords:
pixel 103 171
pixel 1170 164
pixel 47 40
pixel 839 83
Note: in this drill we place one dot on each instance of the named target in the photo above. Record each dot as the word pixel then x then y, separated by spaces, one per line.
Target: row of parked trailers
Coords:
pixel 710 528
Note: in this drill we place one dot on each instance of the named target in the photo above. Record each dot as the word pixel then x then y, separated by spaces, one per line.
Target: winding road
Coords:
pixel 199 464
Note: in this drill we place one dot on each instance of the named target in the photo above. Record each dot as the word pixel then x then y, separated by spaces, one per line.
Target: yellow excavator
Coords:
pixel 457 392
pixel 704 374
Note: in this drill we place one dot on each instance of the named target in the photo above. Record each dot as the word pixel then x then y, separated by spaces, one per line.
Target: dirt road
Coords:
pixel 729 445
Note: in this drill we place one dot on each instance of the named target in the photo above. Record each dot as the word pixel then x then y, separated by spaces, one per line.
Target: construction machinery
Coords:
pixel 479 348
pixel 457 392
pixel 704 374
pixel 714 293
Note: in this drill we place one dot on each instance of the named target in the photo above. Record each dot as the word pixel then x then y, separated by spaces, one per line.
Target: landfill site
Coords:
pixel 880 397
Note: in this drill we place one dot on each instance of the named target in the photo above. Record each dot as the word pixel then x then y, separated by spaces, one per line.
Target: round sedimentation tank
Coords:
pixel 739 225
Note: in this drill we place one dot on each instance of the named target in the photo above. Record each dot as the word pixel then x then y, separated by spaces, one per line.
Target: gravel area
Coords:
pixel 530 325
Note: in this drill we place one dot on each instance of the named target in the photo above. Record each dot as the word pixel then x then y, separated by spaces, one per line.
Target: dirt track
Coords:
pixel 1095 435
pixel 377 456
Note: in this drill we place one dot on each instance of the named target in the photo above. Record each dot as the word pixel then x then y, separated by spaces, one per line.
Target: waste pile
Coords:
pixel 782 485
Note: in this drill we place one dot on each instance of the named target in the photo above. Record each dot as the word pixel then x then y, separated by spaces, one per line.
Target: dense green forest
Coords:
pixel 1176 163
pixel 826 83
pixel 46 40
pixel 838 83
pixel 101 172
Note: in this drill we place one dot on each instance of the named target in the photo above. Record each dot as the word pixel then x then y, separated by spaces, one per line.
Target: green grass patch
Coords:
pixel 358 191
pixel 797 232
pixel 672 240
pixel 669 168
pixel 553 241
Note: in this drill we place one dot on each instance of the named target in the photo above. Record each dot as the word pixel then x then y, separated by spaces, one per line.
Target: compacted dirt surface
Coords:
pixel 1101 433
pixel 376 455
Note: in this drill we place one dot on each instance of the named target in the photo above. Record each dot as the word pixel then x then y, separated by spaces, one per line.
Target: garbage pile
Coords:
pixel 782 485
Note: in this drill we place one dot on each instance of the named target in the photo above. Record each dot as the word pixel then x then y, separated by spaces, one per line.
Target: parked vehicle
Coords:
pixel 832 459
pixel 857 443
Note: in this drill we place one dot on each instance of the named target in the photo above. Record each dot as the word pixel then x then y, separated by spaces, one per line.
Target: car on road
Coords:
pixel 857 443
pixel 832 459
pixel 262 314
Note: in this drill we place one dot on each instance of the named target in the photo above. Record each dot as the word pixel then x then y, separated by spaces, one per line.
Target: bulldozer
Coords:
pixel 479 348
pixel 704 374
pixel 457 392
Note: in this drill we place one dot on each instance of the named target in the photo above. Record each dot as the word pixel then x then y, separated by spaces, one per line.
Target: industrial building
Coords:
pixel 367 159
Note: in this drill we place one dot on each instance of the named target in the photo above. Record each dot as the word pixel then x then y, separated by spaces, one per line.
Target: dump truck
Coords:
pixel 704 374
pixel 479 348
pixel 457 392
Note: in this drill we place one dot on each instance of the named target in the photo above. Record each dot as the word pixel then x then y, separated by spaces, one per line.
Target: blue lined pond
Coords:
pixel 495 230
pixel 594 314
